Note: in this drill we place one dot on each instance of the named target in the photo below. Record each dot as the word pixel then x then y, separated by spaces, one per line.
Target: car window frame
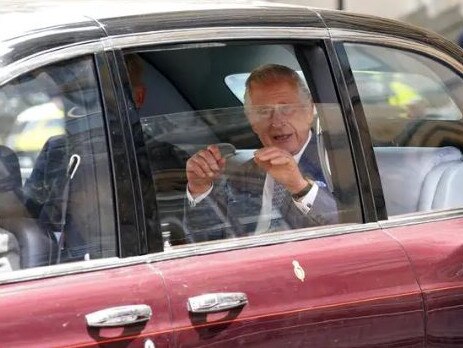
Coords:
pixel 200 36
pixel 119 175
pixel 455 64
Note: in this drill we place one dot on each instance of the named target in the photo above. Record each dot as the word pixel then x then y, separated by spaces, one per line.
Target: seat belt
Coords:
pixel 73 165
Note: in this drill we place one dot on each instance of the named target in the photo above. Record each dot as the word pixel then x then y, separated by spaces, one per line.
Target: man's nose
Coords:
pixel 277 119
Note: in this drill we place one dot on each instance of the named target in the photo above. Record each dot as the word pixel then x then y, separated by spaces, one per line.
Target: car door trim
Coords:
pixel 186 251
pixel 420 218
pixel 221 246
pixel 160 37
pixel 10 71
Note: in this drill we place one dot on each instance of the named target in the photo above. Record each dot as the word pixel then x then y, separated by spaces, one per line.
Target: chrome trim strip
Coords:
pixel 383 39
pixel 184 251
pixel 214 34
pixel 9 72
pixel 421 218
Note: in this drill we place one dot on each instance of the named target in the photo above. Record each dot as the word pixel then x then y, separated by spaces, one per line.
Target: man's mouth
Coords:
pixel 281 137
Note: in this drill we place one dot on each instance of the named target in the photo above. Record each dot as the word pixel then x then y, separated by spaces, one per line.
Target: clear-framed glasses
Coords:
pixel 264 112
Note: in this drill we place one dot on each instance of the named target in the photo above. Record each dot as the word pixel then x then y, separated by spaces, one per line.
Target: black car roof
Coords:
pixel 28 26
pixel 20 16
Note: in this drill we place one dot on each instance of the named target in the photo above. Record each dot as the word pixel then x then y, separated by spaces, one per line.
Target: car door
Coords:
pixel 63 280
pixel 50 310
pixel 342 285
pixel 415 120
pixel 337 291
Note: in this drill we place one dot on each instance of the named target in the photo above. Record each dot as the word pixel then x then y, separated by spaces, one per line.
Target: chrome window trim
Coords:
pixel 214 34
pixel 13 70
pixel 421 218
pixel 224 245
pixel 361 37
pixel 185 251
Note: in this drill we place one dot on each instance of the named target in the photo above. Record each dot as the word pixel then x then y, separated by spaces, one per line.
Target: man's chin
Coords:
pixel 291 148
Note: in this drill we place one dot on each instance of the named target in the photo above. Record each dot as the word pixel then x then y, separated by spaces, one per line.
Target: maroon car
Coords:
pixel 102 105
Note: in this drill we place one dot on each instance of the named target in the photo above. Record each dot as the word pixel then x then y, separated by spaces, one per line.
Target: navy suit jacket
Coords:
pixel 233 207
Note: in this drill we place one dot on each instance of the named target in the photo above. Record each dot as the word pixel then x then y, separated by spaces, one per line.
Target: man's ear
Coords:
pixel 139 96
pixel 253 130
pixel 311 112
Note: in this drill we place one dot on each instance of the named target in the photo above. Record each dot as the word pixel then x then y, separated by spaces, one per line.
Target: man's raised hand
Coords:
pixel 203 168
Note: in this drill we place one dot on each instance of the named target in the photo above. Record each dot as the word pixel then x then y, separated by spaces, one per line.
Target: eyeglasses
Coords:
pixel 265 112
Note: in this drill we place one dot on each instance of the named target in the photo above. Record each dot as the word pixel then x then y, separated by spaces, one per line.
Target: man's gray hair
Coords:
pixel 275 72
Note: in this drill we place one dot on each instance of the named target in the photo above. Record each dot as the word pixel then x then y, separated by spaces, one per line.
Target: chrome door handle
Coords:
pixel 119 316
pixel 216 302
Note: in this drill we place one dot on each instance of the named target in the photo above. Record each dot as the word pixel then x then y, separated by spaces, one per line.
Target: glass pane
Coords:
pixel 192 115
pixel 413 106
pixel 52 127
pixel 405 96
pixel 173 139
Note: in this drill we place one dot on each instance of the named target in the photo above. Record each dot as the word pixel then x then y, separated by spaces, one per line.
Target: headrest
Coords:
pixel 10 174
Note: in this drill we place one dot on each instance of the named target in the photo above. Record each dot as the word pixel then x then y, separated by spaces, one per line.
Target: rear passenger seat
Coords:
pixel 36 247
pixel 420 179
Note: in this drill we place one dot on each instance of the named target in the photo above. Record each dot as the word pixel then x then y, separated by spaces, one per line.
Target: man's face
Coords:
pixel 279 115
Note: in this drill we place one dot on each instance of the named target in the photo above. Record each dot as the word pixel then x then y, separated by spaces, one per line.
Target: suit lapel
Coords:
pixel 249 182
pixel 310 163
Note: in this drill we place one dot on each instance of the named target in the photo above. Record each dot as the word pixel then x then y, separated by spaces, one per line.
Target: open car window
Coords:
pixel 172 139
pixel 189 99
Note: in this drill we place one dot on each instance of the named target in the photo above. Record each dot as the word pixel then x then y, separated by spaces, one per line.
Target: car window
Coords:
pixel 413 107
pixel 56 203
pixel 191 113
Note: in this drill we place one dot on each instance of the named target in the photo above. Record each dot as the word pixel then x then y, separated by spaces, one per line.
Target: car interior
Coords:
pixel 35 247
pixel 189 105
pixel 413 109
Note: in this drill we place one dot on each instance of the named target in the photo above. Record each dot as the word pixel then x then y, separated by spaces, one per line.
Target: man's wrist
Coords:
pixel 304 190
pixel 298 186
pixel 198 190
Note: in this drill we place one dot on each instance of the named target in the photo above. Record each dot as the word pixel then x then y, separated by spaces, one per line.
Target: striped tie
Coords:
pixel 279 193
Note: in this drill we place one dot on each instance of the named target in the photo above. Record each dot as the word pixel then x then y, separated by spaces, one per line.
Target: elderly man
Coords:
pixel 282 187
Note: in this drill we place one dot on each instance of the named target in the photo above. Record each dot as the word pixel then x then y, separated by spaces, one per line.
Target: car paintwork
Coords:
pixel 51 312
pixel 435 250
pixel 360 289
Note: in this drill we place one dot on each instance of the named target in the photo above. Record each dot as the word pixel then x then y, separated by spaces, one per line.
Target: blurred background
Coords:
pixel 445 17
